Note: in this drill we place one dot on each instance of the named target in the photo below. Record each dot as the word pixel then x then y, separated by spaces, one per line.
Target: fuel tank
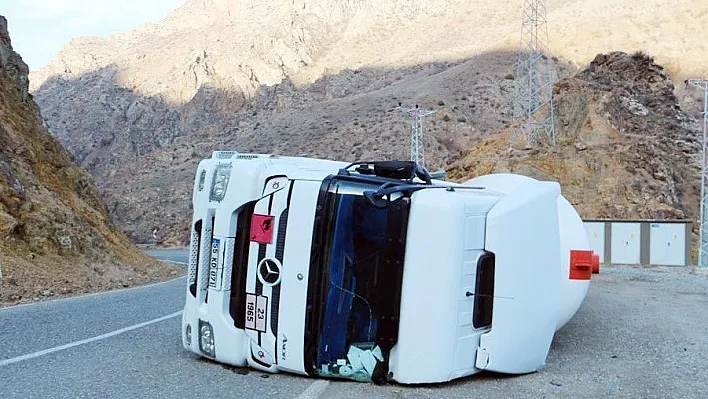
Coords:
pixel 573 241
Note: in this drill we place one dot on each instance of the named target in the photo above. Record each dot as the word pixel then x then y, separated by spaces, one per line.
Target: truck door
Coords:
pixel 522 232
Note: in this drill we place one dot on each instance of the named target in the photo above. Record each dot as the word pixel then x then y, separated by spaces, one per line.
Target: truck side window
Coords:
pixel 484 292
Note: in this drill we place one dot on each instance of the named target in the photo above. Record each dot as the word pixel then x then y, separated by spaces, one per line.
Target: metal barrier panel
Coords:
pixel 596 237
pixel 668 244
pixel 625 243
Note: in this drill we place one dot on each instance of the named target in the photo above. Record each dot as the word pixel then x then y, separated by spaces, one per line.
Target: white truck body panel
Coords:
pixel 294 288
pixel 574 236
pixel 437 341
pixel 522 231
pixel 236 346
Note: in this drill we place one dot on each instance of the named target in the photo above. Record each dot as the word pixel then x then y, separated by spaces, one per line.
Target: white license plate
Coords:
pixel 215 268
pixel 256 309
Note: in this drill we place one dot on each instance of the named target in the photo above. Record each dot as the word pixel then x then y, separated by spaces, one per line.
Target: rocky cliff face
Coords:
pixel 321 77
pixel 625 149
pixel 57 236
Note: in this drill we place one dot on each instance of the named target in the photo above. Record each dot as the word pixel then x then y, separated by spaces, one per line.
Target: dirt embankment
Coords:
pixel 56 237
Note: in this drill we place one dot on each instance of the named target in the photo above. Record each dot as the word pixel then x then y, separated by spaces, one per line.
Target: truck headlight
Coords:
pixel 206 338
pixel 202 178
pixel 188 334
pixel 220 182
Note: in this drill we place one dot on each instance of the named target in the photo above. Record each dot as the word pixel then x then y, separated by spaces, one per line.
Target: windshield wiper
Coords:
pixel 402 170
pixel 376 198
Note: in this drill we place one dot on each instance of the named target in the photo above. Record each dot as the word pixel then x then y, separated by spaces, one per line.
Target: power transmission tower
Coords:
pixel 703 240
pixel 417 144
pixel 532 104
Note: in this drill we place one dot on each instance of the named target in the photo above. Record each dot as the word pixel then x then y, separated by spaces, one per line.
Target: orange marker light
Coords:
pixel 581 264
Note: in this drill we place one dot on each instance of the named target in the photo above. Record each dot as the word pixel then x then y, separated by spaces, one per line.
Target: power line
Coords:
pixel 417 144
pixel 703 240
pixel 532 103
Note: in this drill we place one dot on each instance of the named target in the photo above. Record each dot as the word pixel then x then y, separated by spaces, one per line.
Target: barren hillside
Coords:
pixel 56 234
pixel 139 109
pixel 625 149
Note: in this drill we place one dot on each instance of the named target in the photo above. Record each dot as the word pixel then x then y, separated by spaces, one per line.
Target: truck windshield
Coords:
pixel 355 278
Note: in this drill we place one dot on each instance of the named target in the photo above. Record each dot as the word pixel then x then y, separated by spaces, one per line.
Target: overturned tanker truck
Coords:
pixel 373 271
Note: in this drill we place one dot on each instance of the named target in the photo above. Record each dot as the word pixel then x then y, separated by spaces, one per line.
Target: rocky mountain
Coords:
pixel 145 164
pixel 321 77
pixel 56 234
pixel 625 148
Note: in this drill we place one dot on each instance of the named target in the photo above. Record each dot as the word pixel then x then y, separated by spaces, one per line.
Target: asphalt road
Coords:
pixel 177 255
pixel 641 333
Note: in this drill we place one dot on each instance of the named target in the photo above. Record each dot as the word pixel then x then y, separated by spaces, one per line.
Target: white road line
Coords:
pixel 174 261
pixel 6 362
pixel 315 390
pixel 82 296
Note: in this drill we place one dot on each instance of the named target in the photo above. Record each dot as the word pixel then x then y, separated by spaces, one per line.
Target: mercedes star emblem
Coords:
pixel 269 272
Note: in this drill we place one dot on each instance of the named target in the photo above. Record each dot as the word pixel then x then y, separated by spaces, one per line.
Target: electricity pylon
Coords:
pixel 703 240
pixel 532 104
pixel 417 144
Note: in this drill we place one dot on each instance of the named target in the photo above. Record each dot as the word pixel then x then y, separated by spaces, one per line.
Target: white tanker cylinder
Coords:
pixel 575 275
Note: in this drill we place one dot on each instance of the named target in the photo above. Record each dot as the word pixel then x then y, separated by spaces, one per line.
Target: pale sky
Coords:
pixel 38 28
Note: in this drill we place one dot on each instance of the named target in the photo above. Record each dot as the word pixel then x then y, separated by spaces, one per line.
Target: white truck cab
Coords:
pixel 373 271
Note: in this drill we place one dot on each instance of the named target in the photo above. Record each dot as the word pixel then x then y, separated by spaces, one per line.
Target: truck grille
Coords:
pixel 205 252
pixel 194 257
pixel 279 251
pixel 239 265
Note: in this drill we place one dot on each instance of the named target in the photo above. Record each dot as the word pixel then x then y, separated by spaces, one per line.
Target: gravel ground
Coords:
pixel 641 333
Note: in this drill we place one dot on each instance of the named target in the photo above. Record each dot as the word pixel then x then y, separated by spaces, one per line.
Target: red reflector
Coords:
pixel 262 228
pixel 581 264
